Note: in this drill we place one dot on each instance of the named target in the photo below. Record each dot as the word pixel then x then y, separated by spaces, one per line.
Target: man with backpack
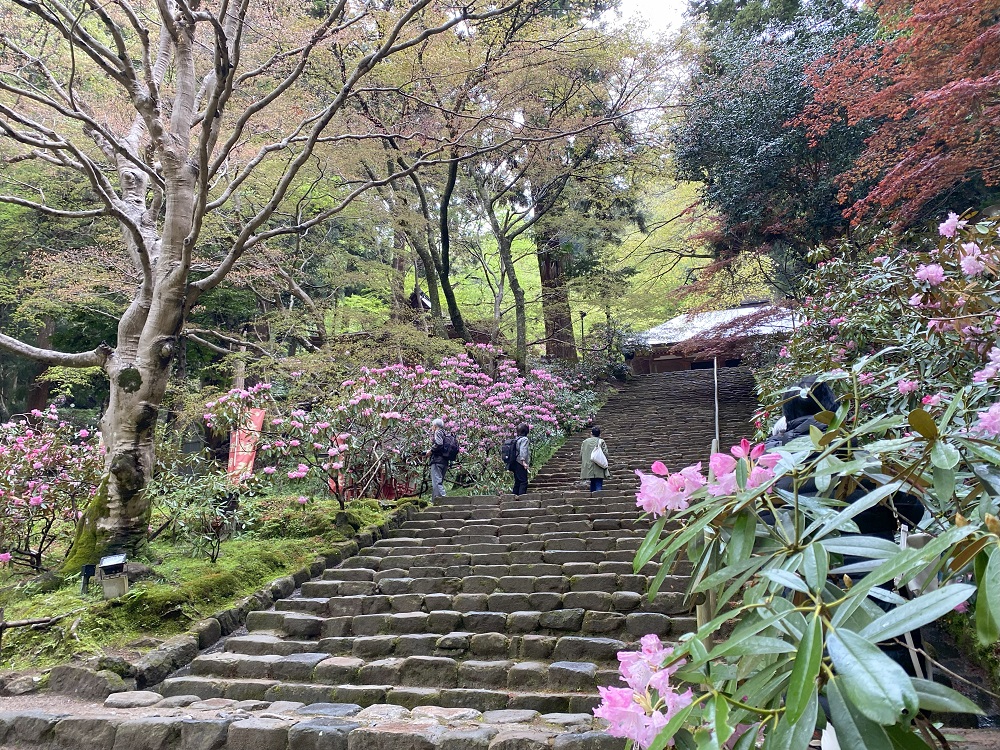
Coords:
pixel 520 459
pixel 444 450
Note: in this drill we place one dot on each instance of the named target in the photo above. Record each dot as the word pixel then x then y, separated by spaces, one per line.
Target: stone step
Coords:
pixel 637 622
pixel 553 542
pixel 621 580
pixel 370 695
pixel 503 602
pixel 623 567
pixel 412 671
pixel 457 645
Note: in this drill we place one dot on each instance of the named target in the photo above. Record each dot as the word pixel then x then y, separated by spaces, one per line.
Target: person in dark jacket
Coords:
pixel 799 408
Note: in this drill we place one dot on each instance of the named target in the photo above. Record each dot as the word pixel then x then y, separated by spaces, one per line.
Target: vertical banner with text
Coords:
pixel 243 446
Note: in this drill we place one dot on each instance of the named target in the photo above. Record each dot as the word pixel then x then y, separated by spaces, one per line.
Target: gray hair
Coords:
pixel 438 422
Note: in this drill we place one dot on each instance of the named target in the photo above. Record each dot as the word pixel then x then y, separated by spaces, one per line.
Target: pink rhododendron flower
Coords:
pixel 916 300
pixel 951 225
pixel 931 400
pixel 989 421
pixel 932 273
pixel 660 468
pixel 641 710
pixel 971 259
pixel 303 499
pixel 866 378
pixel 83 434
pixel 4 557
pixel 658 494
pixel 881 260
pixel 907 386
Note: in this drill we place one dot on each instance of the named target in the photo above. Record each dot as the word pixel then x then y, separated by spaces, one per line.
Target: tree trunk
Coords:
pixel 520 315
pixel 559 340
pixel 38 390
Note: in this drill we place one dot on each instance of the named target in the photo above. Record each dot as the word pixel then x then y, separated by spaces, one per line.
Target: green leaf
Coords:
pixel 802 683
pixel 985 452
pixel 870 500
pixel 945 455
pixel 748 740
pixel 815 565
pixel 722 729
pixel 658 579
pixel 903 738
pixel 944 483
pixel 742 471
pixel 796 734
pixel 741 538
pixel 918 612
pixel 936 697
pixel 670 729
pixel 873 682
pixel 786 579
pixel 923 423
pixel 869 547
pixel 647 550
pixel 761 644
pixel 854 730
pixel 989 585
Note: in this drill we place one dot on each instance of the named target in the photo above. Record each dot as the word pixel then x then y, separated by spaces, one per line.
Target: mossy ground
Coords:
pixel 184 589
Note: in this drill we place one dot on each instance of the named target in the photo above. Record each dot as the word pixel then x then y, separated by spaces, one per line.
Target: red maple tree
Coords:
pixel 930 88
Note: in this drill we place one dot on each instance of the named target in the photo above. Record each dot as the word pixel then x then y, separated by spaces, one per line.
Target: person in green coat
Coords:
pixel 588 468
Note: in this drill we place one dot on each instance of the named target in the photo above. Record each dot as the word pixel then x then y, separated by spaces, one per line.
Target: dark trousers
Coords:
pixel 596 484
pixel 520 480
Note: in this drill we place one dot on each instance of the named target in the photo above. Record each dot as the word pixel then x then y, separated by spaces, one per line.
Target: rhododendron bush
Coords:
pixel 819 617
pixel 916 319
pixel 48 472
pixel 370 439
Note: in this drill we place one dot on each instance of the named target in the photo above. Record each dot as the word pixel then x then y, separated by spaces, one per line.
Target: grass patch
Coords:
pixel 184 589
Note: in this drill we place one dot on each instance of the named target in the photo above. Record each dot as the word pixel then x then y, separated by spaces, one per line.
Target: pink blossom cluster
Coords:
pixel 662 491
pixel 638 712
pixel 372 435
pixel 759 467
pixel 48 472
pixel 992 368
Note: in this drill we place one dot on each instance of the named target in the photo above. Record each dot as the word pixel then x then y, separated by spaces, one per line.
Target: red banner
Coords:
pixel 243 446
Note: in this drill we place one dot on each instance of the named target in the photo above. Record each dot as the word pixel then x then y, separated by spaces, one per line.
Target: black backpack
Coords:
pixel 508 453
pixel 450 447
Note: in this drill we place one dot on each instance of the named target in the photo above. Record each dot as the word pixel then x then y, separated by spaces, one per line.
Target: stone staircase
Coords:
pixel 668 417
pixel 481 623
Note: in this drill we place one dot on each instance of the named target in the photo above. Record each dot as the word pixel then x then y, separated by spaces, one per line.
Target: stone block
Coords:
pixel 258 734
pixel 207 631
pixel 91 732
pixel 481 700
pixel 551 584
pixel 429 671
pixel 321 734
pixel 363 625
pixel 337 669
pixel 573 648
pixel 639 624
pixel 470 602
pixel 416 644
pixel 363 695
pixel 522 622
pixel 484 622
pixel 204 734
pixel 572 676
pixel 483 674
pixel 588 741
pixel 132 699
pixel 85 683
pixel 297 667
pixel 520 740
pixel 528 675
pixel 478 584
pixel 509 716
pixel 330 710
pixel 381 672
pixel 373 647
pixel 411 697
pixel 537 646
pixel 544 601
pixel 296 625
pixel 562 619
pixel 476 738
pixel 591 600
pixel 603 622
pixel 153 733
pixel 543 703
pixel 407 622
pixel 490 645
pixel 299 692
pixel 393 736
pixel 625 601
pixel 443 621
pixel 251 690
